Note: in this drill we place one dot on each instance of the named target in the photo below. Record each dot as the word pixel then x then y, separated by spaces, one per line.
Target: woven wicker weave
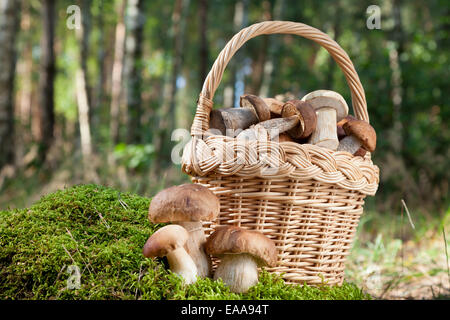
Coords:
pixel 306 198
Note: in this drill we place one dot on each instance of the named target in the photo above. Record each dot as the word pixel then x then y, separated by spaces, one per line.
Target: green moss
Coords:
pixel 102 232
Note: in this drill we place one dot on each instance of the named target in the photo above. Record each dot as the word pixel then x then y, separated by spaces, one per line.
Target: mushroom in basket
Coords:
pixel 241 252
pixel 231 121
pixel 298 120
pixel 330 108
pixel 360 135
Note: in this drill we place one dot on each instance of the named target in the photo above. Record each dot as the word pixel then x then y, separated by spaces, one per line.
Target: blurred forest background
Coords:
pixel 99 103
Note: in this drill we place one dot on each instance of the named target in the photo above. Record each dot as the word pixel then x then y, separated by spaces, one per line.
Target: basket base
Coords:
pixel 312 224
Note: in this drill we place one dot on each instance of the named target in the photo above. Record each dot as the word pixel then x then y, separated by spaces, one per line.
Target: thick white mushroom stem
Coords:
pixel 238 271
pixel 349 144
pixel 181 263
pixel 325 134
pixel 195 247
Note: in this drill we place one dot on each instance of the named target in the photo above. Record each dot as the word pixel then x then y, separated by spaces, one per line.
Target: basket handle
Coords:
pixel 212 81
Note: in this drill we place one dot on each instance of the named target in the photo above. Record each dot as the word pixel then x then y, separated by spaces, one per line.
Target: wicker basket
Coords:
pixel 306 198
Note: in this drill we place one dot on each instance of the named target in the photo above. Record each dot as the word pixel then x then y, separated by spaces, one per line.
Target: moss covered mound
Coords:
pixel 102 232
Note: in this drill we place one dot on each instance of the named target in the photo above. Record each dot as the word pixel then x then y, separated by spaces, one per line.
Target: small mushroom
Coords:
pixel 340 130
pixel 257 104
pixel 341 134
pixel 298 120
pixel 330 108
pixel 241 252
pixel 231 121
pixel 188 205
pixel 168 241
pixel 306 114
pixel 360 134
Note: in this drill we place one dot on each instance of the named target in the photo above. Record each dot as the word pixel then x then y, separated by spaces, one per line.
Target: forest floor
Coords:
pixel 387 267
pixel 389 259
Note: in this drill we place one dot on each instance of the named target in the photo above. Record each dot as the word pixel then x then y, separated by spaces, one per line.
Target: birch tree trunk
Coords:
pixel 231 98
pixel 260 57
pixel 116 91
pixel 272 61
pixel 83 100
pixel 24 74
pixel 9 23
pixel 98 96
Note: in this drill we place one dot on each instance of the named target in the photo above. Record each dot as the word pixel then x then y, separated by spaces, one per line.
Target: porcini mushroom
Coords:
pixel 168 241
pixel 188 205
pixel 339 126
pixel 341 134
pixel 360 134
pixel 330 108
pixel 256 103
pixel 298 120
pixel 306 114
pixel 270 129
pixel 241 252
pixel 231 121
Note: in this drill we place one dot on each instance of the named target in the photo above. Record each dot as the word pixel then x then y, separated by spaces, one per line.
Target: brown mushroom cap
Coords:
pixel 340 130
pixel 327 98
pixel 363 131
pixel 307 117
pixel 235 240
pixel 165 240
pixel 187 202
pixel 257 103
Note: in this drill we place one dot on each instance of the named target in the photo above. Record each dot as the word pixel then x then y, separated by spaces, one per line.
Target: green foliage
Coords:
pixel 134 156
pixel 413 134
pixel 102 232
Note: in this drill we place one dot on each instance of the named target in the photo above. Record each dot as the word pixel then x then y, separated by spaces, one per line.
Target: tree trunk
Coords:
pixel 46 80
pixel 24 74
pixel 9 23
pixel 272 62
pixel 167 121
pixel 237 72
pixel 26 69
pixel 133 67
pixel 116 91
pixel 98 96
pixel 260 57
pixel 82 89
